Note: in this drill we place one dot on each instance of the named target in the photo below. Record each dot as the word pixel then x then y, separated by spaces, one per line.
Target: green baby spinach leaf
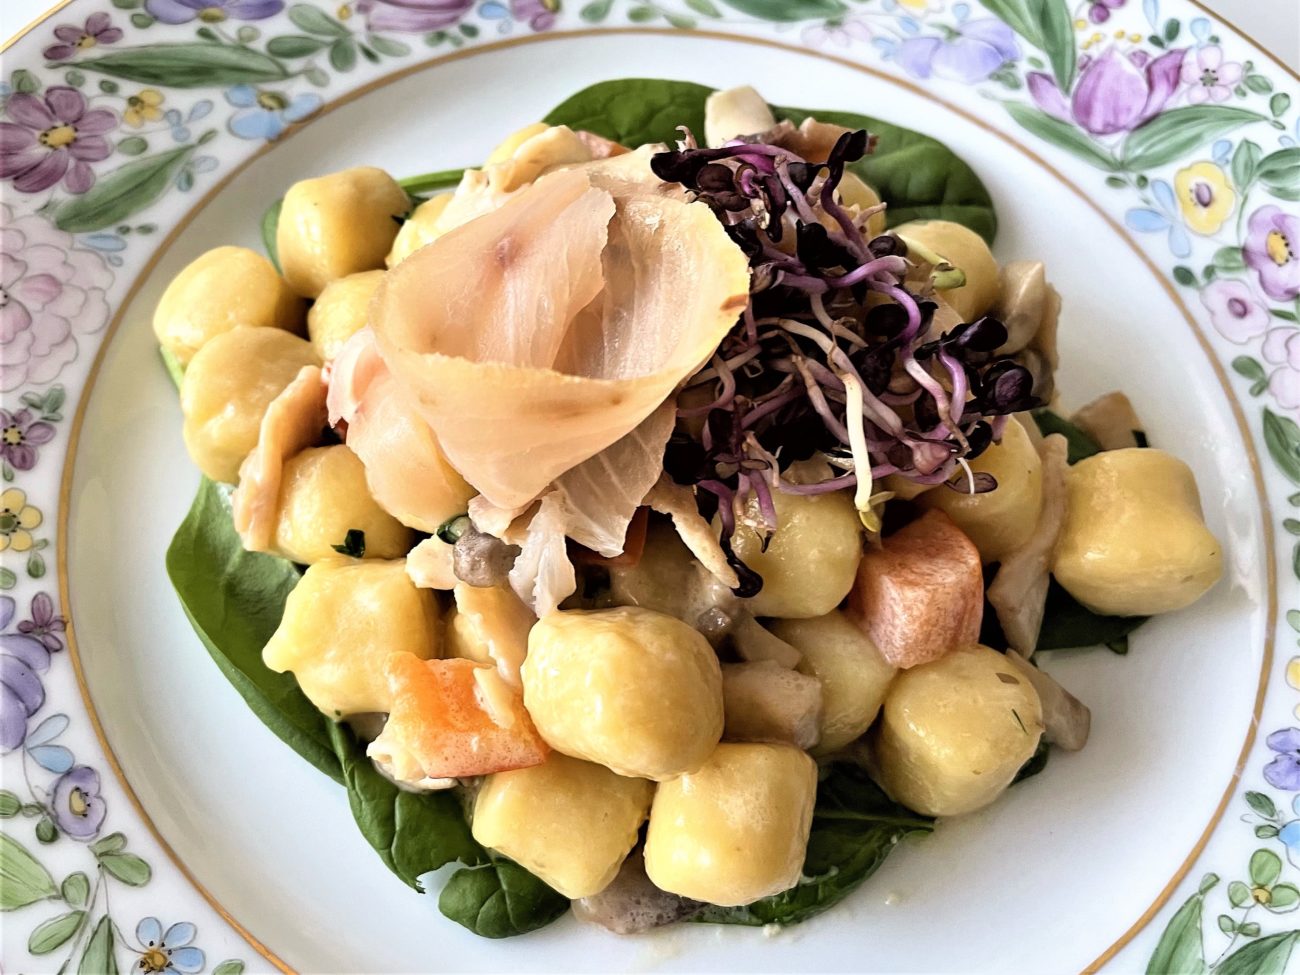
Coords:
pixel 919 177
pixel 1068 625
pixel 1037 762
pixel 175 371
pixel 234 599
pixel 855 826
pixel 413 832
pixel 270 227
pixel 500 900
pixel 1080 444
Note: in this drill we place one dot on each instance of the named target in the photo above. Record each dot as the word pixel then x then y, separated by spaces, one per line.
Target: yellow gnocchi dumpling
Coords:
pixel 227 388
pixel 1134 542
pixel 854 192
pixel 572 823
pixel 420 228
pixel 1002 520
pixel 219 290
pixel 735 829
pixel 340 311
pixel 853 674
pixel 323 496
pixel 963 248
pixel 813 531
pixel 954 732
pixel 342 622
pixel 335 225
pixel 634 690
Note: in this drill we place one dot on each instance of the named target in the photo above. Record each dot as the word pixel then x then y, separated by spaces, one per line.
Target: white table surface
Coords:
pixel 1274 23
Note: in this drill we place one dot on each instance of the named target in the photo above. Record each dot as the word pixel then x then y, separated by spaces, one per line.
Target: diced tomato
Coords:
pixel 458 723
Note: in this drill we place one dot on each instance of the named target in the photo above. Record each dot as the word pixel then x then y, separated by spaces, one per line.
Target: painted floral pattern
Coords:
pixel 94 137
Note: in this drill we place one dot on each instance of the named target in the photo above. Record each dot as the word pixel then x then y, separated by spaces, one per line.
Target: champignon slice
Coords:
pixel 1066 719
pixel 1019 591
pixel 766 702
pixel 1030 308
pixel 733 113
pixel 631 904
pixel 921 594
pixel 754 643
pixel 481 559
pixel 1111 421
pixel 1022 302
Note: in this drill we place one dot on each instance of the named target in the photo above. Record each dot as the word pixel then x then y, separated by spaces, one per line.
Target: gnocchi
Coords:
pixel 342 621
pixel 853 674
pixel 340 311
pixel 633 690
pixel 1001 520
pixel 821 530
pixel 964 249
pixel 335 225
pixel 570 822
pixel 227 388
pixel 1134 541
pixel 219 290
pixel 953 733
pixel 323 496
pixel 735 829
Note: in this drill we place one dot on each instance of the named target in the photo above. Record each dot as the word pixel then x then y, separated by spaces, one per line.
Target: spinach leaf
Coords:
pixel 1079 444
pixel 175 371
pixel 500 900
pixel 855 826
pixel 635 111
pixel 1037 762
pixel 270 226
pixel 1068 625
pixel 413 832
pixel 919 177
pixel 235 599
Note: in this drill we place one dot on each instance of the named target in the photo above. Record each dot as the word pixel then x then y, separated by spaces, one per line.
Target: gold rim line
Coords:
pixel 40 19
pixel 142 276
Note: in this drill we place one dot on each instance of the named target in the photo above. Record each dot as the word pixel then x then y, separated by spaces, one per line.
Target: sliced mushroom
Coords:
pixel 481 559
pixel 631 904
pixel 1066 720
pixel 766 702
pixel 1022 303
pixel 1019 591
pixel 735 112
pixel 1111 421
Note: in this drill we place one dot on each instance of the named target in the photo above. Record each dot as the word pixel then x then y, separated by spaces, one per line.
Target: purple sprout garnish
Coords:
pixel 837 352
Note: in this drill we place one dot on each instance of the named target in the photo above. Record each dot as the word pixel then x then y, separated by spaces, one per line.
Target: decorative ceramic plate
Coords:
pixel 1146 152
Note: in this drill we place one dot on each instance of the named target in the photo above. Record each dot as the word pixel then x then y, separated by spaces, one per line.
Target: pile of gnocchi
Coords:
pixel 653 744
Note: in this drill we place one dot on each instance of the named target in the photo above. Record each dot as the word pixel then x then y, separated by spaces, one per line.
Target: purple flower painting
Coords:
pixel 1115 92
pixel 1272 249
pixel 975 50
pixel 53 138
pixel 73 40
pixel 23 658
pixel 77 806
pixel 414 16
pixel 211 11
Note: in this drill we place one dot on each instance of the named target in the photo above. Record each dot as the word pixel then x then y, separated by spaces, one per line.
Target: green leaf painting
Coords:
pixel 122 192
pixel 188 65
pixel 23 880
